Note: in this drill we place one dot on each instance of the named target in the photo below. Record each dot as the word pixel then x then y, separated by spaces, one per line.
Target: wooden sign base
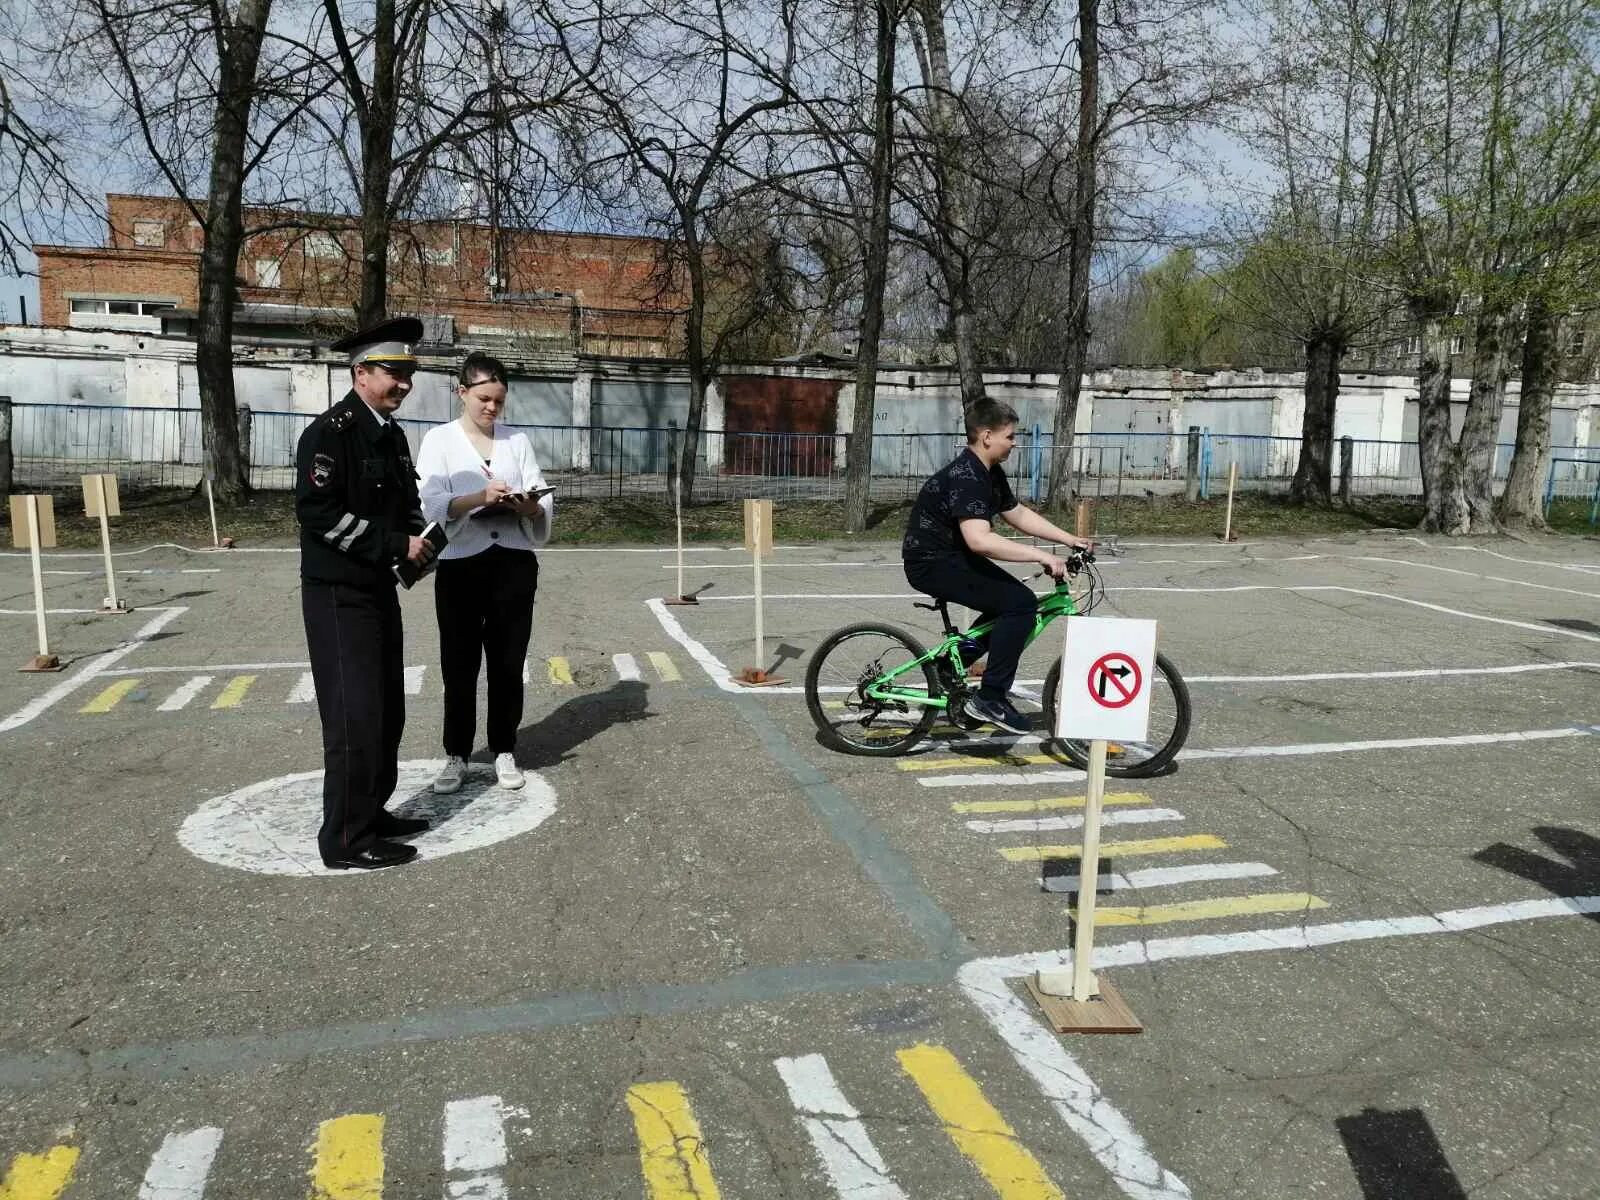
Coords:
pixel 681 600
pixel 118 609
pixel 1106 1013
pixel 751 677
pixel 44 662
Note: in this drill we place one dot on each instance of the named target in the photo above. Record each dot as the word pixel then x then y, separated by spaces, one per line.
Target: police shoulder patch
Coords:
pixel 321 470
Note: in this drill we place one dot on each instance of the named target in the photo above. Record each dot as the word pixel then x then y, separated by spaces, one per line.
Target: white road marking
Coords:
pixel 270 666
pixel 93 669
pixel 186 692
pixel 849 1159
pixel 413 683
pixel 1027 778
pixel 61 612
pixel 1417 673
pixel 1080 1103
pixel 179 1169
pixel 766 566
pixel 627 666
pixel 1153 877
pixel 1129 816
pixel 475 1149
pixel 305 689
pixel 43 572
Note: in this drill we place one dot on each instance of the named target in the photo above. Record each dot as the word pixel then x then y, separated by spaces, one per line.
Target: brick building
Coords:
pixel 299 276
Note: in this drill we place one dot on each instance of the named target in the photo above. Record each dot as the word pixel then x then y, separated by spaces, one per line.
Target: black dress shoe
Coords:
pixel 391 826
pixel 375 857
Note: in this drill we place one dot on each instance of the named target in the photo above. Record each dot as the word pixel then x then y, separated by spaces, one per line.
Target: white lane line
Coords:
pixel 1406 562
pixel 1417 673
pixel 270 666
pixel 627 666
pixel 849 1159
pixel 475 1149
pixel 770 566
pixel 42 572
pixel 1153 877
pixel 1580 568
pixel 92 669
pixel 1129 816
pixel 1088 1111
pixel 305 690
pixel 60 612
pixel 172 571
pixel 186 692
pixel 179 1169
pixel 414 680
pixel 1027 778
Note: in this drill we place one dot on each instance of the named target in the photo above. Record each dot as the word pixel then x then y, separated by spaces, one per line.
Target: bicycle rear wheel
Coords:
pixel 1169 726
pixel 841 670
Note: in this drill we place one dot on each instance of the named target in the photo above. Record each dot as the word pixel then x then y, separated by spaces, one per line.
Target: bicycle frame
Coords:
pixel 1055 603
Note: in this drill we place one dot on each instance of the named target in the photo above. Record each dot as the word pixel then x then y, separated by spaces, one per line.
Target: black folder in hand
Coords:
pixel 408 572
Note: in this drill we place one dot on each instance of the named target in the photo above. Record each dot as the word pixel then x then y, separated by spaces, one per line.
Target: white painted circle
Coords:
pixel 270 828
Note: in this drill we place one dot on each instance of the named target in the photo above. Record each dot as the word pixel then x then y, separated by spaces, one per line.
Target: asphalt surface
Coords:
pixel 701 954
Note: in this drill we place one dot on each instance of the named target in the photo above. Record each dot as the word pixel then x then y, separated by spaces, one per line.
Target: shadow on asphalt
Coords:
pixel 1397 1156
pixel 1576 624
pixel 562 730
pixel 1578 876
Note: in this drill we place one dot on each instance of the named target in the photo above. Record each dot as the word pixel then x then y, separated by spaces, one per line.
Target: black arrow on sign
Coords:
pixel 1119 672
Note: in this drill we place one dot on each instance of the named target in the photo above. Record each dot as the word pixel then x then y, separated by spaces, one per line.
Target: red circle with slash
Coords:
pixel 1109 680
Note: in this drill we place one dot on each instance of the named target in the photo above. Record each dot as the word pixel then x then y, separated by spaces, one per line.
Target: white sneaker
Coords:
pixel 450 776
pixel 507 772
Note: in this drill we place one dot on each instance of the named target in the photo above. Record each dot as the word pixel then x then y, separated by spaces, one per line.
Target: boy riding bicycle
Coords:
pixel 950 548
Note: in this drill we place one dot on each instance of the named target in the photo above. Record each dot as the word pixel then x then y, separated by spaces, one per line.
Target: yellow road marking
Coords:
pixel 974 1125
pixel 980 760
pixel 1027 806
pixel 39 1176
pixel 672 1150
pixel 664 666
pixel 560 670
pixel 234 692
pixel 107 700
pixel 348 1163
pixel 1210 910
pixel 1166 845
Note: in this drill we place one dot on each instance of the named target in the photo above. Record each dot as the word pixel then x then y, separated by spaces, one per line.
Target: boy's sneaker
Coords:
pixel 450 776
pixel 998 713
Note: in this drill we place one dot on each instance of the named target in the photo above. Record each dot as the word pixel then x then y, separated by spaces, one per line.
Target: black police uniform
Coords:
pixel 357 505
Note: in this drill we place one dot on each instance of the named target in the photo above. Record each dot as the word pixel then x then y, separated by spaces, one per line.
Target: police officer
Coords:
pixel 356 502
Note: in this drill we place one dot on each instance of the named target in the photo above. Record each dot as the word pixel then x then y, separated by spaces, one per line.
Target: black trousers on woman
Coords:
pixel 485 608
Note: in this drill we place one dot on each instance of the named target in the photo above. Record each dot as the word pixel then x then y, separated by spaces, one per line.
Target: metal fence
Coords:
pixel 52 444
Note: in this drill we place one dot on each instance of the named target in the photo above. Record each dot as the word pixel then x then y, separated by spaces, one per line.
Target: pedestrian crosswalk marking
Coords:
pixel 1167 845
pixel 179 1168
pixel 1047 805
pixel 1209 910
pixel 849 1159
pixel 627 666
pixel 39 1176
pixel 186 692
pixel 475 1149
pixel 672 1150
pixel 1152 877
pixel 560 670
pixel 1132 816
pixel 233 692
pixel 107 700
pixel 975 1126
pixel 348 1158
pixel 664 666
pixel 979 761
pixel 305 690
pixel 413 678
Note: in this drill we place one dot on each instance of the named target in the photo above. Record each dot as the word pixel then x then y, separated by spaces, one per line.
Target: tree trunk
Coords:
pixel 1522 502
pixel 377 165
pixel 239 49
pixel 954 201
pixel 695 358
pixel 1476 448
pixel 1075 347
pixel 1313 477
pixel 1444 507
pixel 858 469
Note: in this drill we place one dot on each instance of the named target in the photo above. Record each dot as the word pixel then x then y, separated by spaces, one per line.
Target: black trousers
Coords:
pixel 1001 597
pixel 357 662
pixel 485 608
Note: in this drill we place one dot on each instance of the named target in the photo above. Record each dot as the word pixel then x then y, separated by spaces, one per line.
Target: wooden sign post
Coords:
pixel 33 527
pixel 1228 534
pixel 100 500
pixel 216 542
pixel 1107 670
pixel 758 540
pixel 680 596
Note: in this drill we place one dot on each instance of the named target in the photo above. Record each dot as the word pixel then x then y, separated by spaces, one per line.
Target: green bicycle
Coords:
pixel 873 689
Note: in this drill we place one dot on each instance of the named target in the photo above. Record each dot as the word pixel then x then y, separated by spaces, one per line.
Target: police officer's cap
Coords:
pixel 388 343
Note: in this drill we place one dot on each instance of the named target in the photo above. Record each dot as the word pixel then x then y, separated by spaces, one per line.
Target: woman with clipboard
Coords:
pixel 481 481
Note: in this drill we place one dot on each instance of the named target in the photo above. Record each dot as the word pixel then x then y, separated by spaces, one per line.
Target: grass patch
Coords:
pixel 267 519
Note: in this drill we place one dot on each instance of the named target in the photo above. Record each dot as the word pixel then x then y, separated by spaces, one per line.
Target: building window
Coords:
pixel 99 313
pixel 1458 344
pixel 322 245
pixel 267 273
pixel 1413 345
pixel 152 235
pixel 1575 344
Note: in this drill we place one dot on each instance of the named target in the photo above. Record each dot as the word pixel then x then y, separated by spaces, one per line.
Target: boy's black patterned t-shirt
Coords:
pixel 959 492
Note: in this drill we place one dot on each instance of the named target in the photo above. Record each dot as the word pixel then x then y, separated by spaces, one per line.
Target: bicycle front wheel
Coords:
pixel 1169 726
pixel 855 709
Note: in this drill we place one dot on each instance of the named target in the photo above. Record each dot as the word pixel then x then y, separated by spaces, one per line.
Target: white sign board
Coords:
pixel 1107 671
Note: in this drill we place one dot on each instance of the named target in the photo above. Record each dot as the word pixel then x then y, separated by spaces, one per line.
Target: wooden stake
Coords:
pixel 216 542
pixel 111 605
pixel 761 651
pixel 1227 523
pixel 44 660
pixel 1083 981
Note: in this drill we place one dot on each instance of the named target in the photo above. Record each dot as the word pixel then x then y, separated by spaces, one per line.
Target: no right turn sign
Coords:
pixel 1105 679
